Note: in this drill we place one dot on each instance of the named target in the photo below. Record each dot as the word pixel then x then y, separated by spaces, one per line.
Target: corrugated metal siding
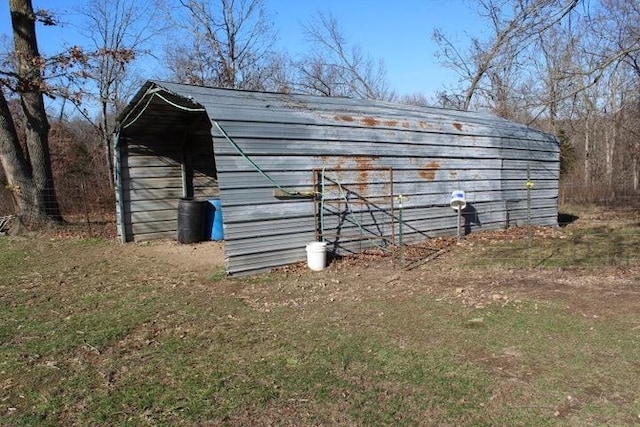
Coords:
pixel 202 166
pixel 152 181
pixel 151 187
pixel 431 151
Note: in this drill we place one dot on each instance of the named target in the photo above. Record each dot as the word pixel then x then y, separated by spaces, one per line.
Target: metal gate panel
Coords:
pixel 354 208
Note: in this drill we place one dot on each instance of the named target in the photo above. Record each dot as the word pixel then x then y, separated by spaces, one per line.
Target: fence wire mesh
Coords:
pixel 601 232
pixel 604 232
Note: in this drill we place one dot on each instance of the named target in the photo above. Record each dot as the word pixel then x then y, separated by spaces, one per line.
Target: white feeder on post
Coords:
pixel 458 203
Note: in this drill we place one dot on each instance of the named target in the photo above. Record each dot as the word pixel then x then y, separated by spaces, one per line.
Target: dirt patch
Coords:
pixel 203 257
pixel 588 293
pixel 433 268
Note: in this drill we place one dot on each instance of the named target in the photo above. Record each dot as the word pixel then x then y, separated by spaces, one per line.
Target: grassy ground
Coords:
pixel 95 333
pixel 596 238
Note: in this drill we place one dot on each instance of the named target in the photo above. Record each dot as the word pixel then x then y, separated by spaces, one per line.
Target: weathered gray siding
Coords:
pixel 151 185
pixel 152 181
pixel 431 152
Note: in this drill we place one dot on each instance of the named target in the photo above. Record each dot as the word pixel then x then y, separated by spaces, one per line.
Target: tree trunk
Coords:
pixel 609 142
pixel 16 166
pixel 587 156
pixel 106 140
pixel 31 86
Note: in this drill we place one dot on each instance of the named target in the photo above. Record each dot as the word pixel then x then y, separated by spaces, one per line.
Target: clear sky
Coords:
pixel 398 32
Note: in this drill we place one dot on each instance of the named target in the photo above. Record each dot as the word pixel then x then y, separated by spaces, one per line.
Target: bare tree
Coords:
pixel 28 166
pixel 513 30
pixel 574 71
pixel 556 74
pixel 317 77
pixel 336 68
pixel 614 47
pixel 118 33
pixel 417 98
pixel 279 73
pixel 616 28
pixel 228 44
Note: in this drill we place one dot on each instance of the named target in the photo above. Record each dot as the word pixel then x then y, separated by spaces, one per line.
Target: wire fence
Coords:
pixel 87 208
pixel 596 229
pixel 601 232
pixel 593 232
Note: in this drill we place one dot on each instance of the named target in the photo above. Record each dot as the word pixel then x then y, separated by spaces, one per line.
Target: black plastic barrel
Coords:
pixel 191 220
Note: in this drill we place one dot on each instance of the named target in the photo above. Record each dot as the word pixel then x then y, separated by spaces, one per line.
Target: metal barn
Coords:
pixel 292 169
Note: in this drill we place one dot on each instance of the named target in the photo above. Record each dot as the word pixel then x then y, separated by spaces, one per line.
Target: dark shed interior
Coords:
pixel 164 153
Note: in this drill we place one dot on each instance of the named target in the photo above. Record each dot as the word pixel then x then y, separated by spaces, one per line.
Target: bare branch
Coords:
pixel 229 44
pixel 336 68
pixel 513 33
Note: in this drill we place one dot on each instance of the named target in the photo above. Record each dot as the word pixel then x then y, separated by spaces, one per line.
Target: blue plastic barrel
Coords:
pixel 214 220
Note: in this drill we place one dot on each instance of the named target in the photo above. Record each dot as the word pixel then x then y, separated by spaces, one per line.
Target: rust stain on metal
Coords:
pixel 344 118
pixel 370 121
pixel 429 171
pixel 457 126
pixel 424 125
pixel 339 164
pixel 363 163
pixel 391 123
pixel 406 124
pixel 453 174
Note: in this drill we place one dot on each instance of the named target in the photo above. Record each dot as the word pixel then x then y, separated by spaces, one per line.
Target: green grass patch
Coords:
pixel 584 250
pixel 597 239
pixel 218 274
pixel 11 258
pixel 92 336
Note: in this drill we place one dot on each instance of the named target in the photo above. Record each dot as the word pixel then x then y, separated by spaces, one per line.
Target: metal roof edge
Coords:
pixel 133 103
pixel 173 88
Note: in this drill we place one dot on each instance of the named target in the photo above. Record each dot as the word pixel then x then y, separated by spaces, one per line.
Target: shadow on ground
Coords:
pixel 565 219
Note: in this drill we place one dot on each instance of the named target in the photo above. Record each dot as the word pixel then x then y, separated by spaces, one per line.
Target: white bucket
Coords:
pixel 458 201
pixel 317 255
